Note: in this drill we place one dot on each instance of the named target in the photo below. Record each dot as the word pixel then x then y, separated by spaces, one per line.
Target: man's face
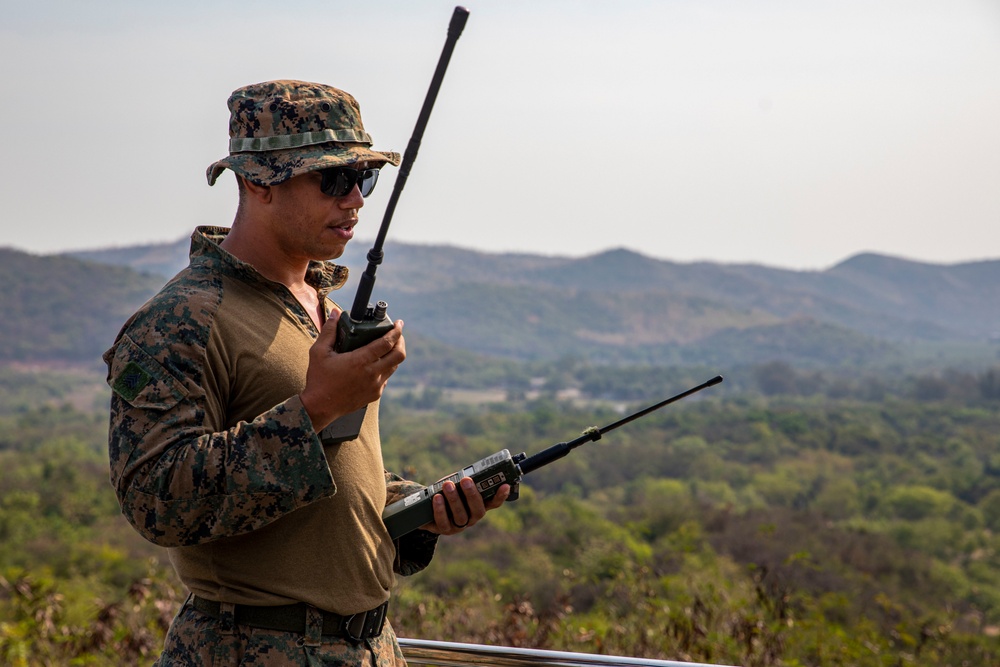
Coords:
pixel 309 224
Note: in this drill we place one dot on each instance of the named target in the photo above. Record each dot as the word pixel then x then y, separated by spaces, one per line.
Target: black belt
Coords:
pixel 292 618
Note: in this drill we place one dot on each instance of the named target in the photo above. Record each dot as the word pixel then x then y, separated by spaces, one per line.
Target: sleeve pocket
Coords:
pixel 141 381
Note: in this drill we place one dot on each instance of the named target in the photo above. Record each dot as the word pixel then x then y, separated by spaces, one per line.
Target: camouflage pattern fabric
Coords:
pixel 280 129
pixel 183 481
pixel 195 640
pixel 415 550
pixel 222 484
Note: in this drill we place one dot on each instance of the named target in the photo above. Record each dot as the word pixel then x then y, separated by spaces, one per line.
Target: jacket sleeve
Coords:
pixel 180 479
pixel 414 550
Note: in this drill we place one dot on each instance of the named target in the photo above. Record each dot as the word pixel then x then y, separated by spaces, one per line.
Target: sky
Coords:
pixel 788 133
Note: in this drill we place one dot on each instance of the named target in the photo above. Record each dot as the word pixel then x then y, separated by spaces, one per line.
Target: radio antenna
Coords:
pixel 375 255
pixel 560 450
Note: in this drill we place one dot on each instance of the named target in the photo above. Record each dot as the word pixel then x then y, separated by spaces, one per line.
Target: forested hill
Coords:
pixel 795 515
pixel 613 307
pixel 62 309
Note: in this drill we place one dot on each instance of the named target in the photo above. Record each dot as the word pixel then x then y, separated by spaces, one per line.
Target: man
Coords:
pixel 222 383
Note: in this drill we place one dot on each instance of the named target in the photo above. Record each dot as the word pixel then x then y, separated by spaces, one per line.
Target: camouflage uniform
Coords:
pixel 212 453
pixel 196 640
pixel 280 129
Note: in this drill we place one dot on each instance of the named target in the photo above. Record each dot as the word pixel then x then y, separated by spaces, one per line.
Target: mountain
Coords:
pixel 615 307
pixel 64 309
pixel 162 259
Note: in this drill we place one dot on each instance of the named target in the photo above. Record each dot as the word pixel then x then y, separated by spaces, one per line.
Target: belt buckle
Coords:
pixel 365 624
pixel 378 618
pixel 348 624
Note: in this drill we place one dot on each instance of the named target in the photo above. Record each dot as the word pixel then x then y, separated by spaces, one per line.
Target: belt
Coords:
pixel 292 618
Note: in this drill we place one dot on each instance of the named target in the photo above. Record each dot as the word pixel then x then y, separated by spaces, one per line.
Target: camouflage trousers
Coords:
pixel 198 640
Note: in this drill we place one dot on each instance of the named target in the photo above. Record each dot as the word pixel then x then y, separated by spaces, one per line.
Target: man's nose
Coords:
pixel 352 199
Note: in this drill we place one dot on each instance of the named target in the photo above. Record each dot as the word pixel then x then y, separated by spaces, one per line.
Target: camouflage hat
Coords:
pixel 280 129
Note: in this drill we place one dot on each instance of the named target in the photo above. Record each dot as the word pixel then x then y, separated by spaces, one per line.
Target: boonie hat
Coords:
pixel 280 129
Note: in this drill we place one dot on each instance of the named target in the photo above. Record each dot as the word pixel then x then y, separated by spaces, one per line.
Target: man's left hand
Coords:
pixel 452 515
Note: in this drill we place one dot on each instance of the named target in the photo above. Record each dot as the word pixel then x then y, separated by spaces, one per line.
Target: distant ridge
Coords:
pixel 64 309
pixel 162 259
pixel 616 307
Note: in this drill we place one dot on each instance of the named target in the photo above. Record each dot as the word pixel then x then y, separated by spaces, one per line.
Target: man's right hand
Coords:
pixel 340 383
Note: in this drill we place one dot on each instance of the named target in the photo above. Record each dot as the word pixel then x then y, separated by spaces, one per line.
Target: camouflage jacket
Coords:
pixel 195 459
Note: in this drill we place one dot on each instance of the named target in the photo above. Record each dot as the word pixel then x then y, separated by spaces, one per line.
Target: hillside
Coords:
pixel 615 307
pixel 794 515
pixel 740 530
pixel 64 309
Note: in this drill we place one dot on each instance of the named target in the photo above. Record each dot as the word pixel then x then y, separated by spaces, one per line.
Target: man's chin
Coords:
pixel 327 253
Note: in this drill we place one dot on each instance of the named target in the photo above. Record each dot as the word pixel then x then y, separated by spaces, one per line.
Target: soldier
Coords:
pixel 221 383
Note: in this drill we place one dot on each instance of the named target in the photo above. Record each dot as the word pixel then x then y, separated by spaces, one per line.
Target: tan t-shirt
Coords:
pixel 213 455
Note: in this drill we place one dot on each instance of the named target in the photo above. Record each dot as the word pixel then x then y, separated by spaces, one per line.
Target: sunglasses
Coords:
pixel 339 181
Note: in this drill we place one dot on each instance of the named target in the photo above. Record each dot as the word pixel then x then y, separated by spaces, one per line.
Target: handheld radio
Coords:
pixel 365 323
pixel 415 510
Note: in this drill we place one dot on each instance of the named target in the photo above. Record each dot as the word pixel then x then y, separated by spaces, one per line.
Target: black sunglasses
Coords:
pixel 339 181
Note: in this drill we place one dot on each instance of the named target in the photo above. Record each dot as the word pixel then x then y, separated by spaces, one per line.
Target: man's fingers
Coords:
pixel 501 496
pixel 443 524
pixel 328 333
pixel 391 347
pixel 473 499
pixel 337 384
pixel 459 507
pixel 456 505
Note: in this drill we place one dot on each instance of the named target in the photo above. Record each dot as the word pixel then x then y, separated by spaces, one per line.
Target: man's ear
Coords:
pixel 261 193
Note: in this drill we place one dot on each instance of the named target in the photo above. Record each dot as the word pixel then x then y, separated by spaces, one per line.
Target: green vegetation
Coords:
pixel 790 518
pixel 835 502
pixel 76 587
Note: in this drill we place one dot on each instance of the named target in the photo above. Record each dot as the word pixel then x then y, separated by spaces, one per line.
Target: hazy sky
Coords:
pixel 791 133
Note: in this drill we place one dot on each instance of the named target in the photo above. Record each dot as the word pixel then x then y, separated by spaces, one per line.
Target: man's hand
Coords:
pixel 340 383
pixel 452 515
